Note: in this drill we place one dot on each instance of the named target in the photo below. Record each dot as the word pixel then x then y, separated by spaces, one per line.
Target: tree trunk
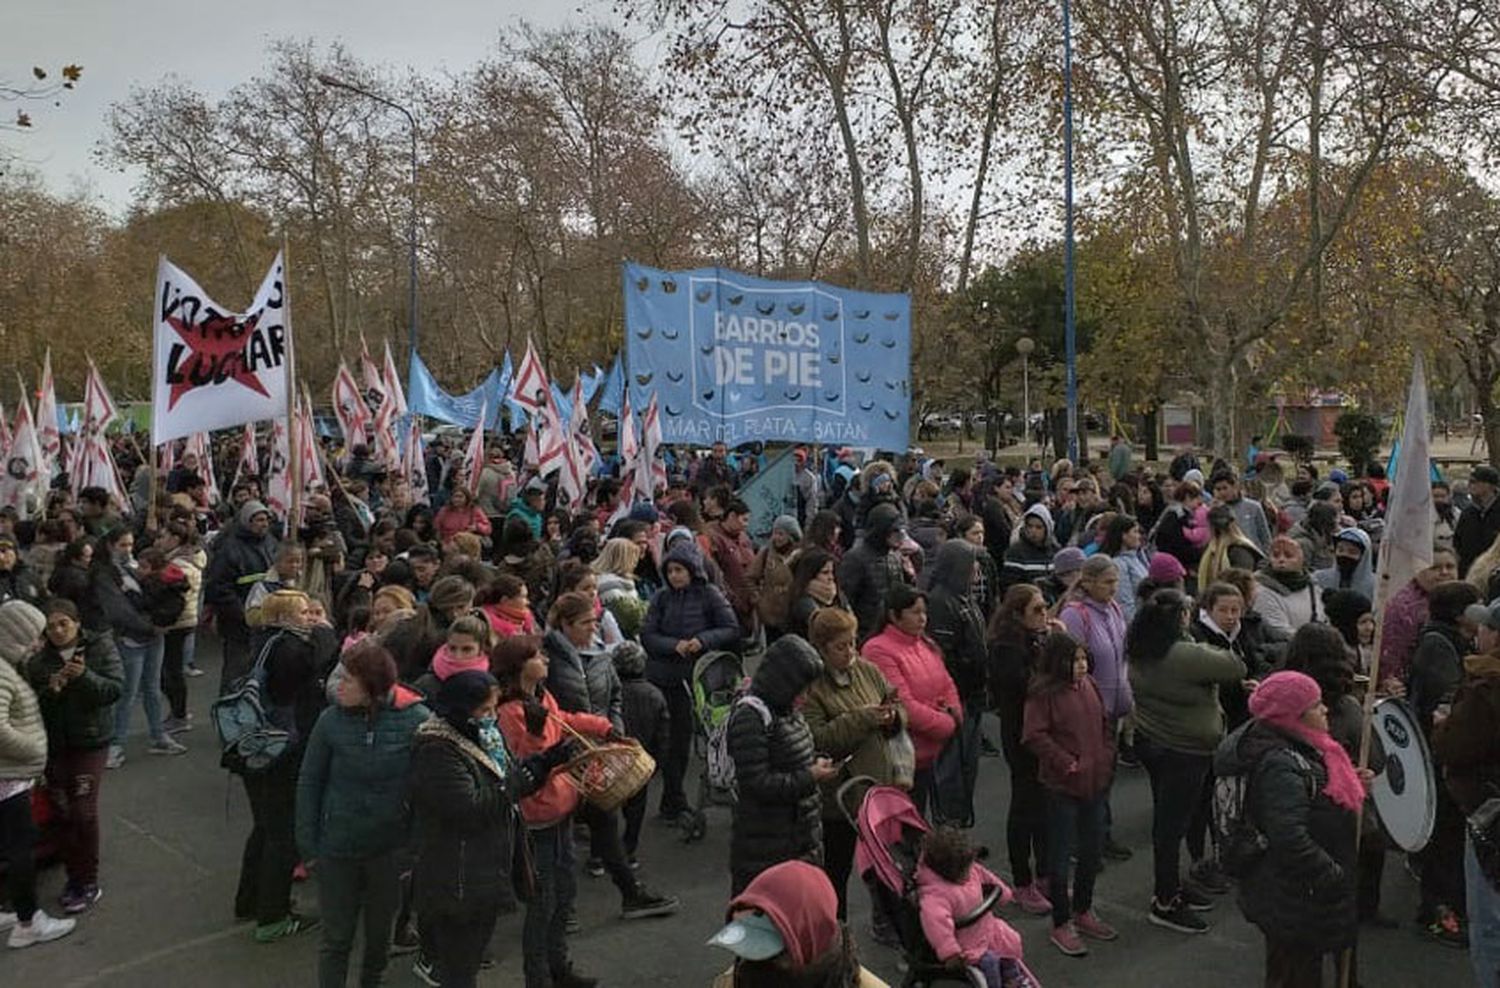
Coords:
pixel 1148 428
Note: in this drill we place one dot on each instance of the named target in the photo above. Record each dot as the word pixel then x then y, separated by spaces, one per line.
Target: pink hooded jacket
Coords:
pixel 943 903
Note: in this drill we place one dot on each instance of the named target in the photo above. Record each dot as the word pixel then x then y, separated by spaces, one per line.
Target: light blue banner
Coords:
pixel 739 358
pixel 425 397
pixel 770 493
pixel 612 390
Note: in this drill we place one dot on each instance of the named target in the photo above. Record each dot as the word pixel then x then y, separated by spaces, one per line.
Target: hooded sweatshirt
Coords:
pixel 1361 577
pixel 869 570
pixel 698 610
pixel 1026 562
pixel 954 620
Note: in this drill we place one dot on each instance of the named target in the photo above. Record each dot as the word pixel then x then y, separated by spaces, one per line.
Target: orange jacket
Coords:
pixel 558 796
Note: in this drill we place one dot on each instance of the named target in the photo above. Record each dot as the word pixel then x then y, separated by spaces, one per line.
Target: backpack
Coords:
pixel 251 743
pixel 1238 840
pixel 720 765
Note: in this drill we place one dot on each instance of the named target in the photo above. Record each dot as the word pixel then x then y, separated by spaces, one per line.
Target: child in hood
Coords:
pixel 951 886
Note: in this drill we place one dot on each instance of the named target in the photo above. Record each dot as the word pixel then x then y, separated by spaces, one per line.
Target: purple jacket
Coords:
pixel 1101 629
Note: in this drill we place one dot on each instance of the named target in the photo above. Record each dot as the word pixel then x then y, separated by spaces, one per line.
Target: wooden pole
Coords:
pixel 294 444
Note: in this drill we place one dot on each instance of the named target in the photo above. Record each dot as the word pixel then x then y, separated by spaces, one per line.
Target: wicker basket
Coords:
pixel 609 774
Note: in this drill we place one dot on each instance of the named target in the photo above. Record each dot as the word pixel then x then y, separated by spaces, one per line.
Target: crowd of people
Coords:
pixel 435 670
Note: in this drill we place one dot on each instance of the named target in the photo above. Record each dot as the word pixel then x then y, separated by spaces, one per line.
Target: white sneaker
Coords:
pixel 7 920
pixel 115 758
pixel 167 745
pixel 42 929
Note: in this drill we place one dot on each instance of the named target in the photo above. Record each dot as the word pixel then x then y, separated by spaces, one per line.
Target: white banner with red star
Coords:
pixel 214 368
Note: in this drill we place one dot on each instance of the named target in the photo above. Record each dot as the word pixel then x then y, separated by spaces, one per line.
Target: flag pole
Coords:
pixel 155 345
pixel 294 437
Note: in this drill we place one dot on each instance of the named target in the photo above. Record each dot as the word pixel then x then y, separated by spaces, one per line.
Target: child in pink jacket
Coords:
pixel 950 887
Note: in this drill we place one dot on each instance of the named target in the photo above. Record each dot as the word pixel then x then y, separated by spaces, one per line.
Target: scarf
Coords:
pixel 1293 579
pixel 445 665
pixel 1281 700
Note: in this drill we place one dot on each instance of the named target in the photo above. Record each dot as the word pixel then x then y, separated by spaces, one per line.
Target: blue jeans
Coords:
pixel 1484 921
pixel 544 943
pixel 142 676
pixel 1073 822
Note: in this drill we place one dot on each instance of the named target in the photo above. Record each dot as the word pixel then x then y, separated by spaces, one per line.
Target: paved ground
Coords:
pixel 173 829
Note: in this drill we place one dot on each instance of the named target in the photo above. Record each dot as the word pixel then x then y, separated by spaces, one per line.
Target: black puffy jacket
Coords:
pixel 954 620
pixel 1302 891
pixel 586 684
pixel 870 569
pixel 467 819
pixel 779 813
pixel 699 610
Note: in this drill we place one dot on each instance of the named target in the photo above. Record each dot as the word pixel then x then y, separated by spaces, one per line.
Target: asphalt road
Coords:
pixel 173 829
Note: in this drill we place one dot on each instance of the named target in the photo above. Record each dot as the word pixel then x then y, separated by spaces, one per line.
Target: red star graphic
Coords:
pixel 213 342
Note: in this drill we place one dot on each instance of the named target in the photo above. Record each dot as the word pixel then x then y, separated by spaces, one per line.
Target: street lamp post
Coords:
pixel 1070 307
pixel 411 227
pixel 1024 346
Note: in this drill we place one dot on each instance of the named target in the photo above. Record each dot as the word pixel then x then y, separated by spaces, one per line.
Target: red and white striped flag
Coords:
pixel 349 408
pixel 529 387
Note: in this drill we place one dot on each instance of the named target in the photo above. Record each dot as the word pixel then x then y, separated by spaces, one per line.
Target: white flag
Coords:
pixel 200 447
pixel 415 463
pixel 279 474
pixel 474 456
pixel 48 436
pixel 22 484
pixel 247 464
pixel 1406 547
pixel 214 368
pixel 392 380
pixel 349 408
pixel 529 387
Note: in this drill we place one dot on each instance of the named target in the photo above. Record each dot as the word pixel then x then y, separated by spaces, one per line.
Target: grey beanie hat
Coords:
pixel 21 625
pixel 789 525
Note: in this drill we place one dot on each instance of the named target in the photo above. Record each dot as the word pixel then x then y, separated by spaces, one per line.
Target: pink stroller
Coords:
pixel 890 840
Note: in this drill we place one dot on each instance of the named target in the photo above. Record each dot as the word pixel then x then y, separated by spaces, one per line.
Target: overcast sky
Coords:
pixel 214 44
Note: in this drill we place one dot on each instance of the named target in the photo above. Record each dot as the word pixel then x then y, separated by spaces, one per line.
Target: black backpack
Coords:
pixel 251 743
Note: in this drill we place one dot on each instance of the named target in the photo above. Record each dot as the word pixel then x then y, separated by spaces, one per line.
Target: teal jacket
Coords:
pixel 351 791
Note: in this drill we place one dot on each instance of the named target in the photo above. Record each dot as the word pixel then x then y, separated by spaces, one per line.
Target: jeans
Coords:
pixel 177 651
pixel 839 840
pixel 544 941
pixel 73 778
pixel 679 742
pixel 604 844
pixel 142 675
pixel 1071 819
pixel 17 839
pixel 1176 788
pixel 1026 820
pixel 458 941
pixel 347 886
pixel 1484 921
pixel 265 886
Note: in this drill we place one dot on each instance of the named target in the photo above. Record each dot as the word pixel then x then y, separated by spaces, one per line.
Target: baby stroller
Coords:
pixel 890 842
pixel 718 680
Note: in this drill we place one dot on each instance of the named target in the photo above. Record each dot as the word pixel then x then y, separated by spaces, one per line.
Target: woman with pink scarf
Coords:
pixel 1302 793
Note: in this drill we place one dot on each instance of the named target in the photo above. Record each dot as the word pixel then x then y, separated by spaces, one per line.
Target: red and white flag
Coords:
pixel 278 488
pixel 474 455
pixel 94 466
pixel 530 456
pixel 213 367
pixel 22 492
pixel 349 408
pixel 308 454
pixel 415 464
pixel 199 446
pixel 552 440
pixel 629 450
pixel 393 391
pixel 374 379
pixel 247 464
pixel 166 458
pixel 387 446
pixel 529 387
pixel 583 441
pixel 48 436
pixel 650 471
